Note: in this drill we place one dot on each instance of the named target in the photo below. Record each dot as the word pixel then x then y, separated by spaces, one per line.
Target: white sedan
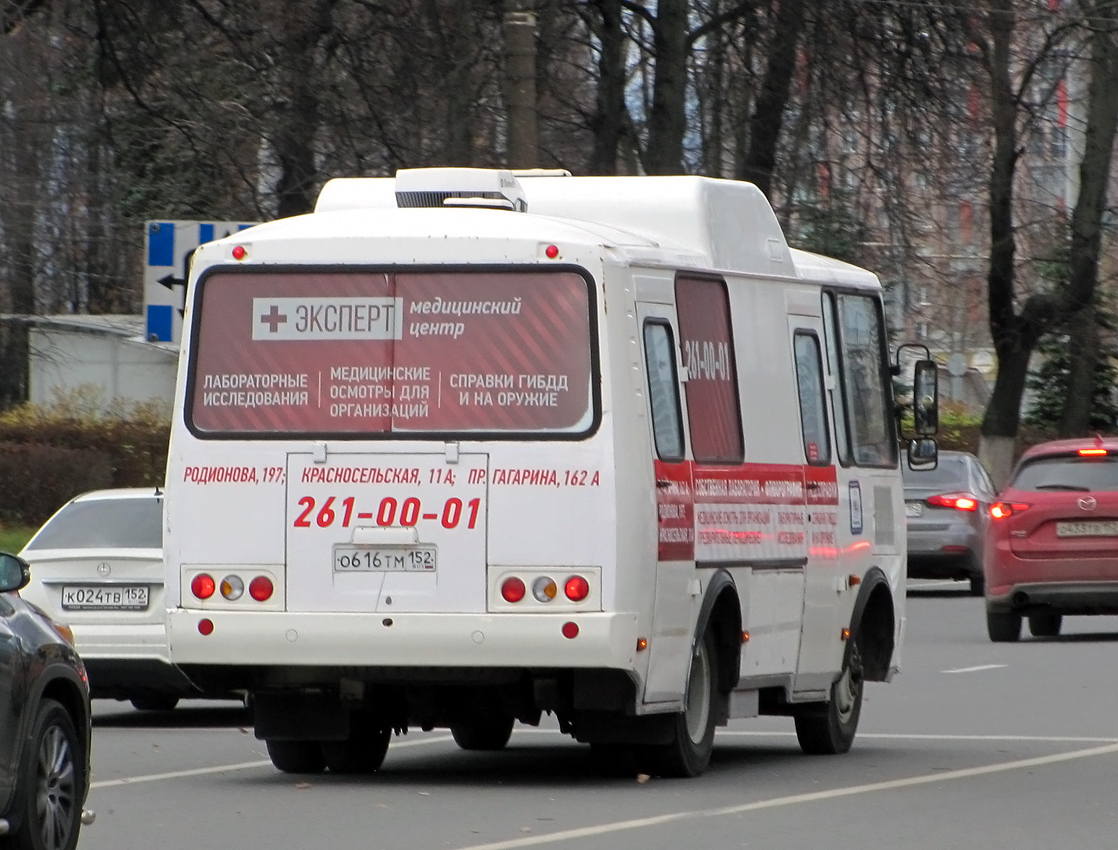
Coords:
pixel 97 565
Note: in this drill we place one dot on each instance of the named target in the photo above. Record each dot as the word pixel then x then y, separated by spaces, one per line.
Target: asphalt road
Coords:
pixel 974 745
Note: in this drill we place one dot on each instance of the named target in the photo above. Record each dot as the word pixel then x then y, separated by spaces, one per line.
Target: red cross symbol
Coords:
pixel 273 319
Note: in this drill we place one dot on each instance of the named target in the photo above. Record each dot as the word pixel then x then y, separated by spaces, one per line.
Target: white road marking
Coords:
pixel 791 800
pixel 890 736
pixel 244 765
pixel 178 774
pixel 975 669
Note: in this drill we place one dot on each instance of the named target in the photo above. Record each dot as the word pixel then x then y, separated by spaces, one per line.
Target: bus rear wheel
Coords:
pixel 689 752
pixel 296 756
pixel 362 752
pixel 483 732
pixel 831 731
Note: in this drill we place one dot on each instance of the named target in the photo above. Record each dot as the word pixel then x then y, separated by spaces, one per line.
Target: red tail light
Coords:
pixel 958 501
pixel 1002 510
pixel 203 586
pixel 260 588
pixel 512 589
pixel 1092 452
pixel 577 588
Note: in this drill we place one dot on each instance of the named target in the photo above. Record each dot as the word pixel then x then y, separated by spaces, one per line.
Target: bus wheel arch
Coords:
pixel 873 625
pixel 721 615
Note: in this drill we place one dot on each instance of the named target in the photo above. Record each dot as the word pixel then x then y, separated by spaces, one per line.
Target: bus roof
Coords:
pixel 728 222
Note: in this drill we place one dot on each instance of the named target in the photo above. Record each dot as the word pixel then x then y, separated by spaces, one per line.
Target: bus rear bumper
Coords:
pixel 603 640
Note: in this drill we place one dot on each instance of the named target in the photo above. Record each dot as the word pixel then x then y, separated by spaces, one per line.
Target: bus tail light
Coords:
pixel 544 589
pixel 202 586
pixel 261 588
pixel 512 589
pixel 577 588
pixel 232 587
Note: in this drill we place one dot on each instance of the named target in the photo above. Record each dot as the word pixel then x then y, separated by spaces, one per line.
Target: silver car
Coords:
pixel 947 509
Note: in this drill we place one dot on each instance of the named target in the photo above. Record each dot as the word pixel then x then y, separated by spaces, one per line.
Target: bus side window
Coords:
pixel 865 383
pixel 663 390
pixel 706 340
pixel 813 410
pixel 838 400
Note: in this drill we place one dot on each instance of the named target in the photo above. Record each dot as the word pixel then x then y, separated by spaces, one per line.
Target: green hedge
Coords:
pixel 51 453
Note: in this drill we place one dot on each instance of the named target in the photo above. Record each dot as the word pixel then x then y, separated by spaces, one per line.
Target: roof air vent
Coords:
pixel 459 187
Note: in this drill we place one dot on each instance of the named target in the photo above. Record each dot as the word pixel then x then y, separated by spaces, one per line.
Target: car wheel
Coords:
pixel 1003 628
pixel 831 731
pixel 688 754
pixel 488 732
pixel 1045 625
pixel 154 702
pixel 977 584
pixel 362 752
pixel 53 776
pixel 296 756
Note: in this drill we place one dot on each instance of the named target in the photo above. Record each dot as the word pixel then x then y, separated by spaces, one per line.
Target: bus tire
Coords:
pixel 831 730
pixel 296 756
pixel 362 752
pixel 483 732
pixel 154 702
pixel 688 754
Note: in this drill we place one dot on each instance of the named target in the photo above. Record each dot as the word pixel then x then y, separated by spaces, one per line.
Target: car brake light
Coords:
pixel 202 586
pixel 1092 452
pixel 512 589
pixel 260 588
pixel 1002 510
pixel 959 501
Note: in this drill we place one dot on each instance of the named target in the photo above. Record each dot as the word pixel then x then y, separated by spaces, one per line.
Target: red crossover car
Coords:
pixel 1052 543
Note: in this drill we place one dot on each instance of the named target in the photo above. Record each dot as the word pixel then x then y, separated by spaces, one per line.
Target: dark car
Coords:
pixel 44 724
pixel 1052 544
pixel 947 511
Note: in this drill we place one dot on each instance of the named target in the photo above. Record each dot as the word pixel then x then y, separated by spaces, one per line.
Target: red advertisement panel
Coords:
pixel 708 356
pixel 334 352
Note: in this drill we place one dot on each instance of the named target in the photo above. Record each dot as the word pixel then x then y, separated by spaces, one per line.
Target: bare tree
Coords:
pixel 1087 218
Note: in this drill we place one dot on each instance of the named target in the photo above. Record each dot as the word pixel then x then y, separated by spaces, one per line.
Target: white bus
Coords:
pixel 463 447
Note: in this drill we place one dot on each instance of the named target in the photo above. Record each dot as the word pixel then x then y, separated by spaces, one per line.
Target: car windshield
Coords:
pixel 104 523
pixel 949 470
pixel 1068 473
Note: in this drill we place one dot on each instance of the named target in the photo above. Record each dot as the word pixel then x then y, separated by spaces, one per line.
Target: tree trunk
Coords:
pixel 1006 329
pixel 520 84
pixel 19 191
pixel 301 27
pixel 609 106
pixel 1086 224
pixel 768 112
pixel 1083 356
pixel 667 120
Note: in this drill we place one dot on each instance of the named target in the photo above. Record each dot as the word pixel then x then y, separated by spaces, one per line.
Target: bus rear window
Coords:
pixel 308 351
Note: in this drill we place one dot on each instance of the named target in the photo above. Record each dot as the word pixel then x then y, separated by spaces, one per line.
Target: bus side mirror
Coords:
pixel 923 453
pixel 925 398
